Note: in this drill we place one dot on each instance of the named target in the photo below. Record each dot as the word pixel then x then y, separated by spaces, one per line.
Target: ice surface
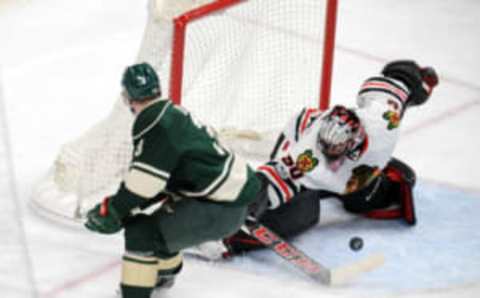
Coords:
pixel 61 62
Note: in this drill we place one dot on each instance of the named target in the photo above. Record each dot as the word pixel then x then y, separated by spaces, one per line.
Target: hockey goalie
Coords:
pixel 342 153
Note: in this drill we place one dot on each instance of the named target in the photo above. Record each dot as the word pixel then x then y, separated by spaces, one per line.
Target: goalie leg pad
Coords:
pixel 290 219
pixel 295 217
pixel 400 179
pixel 389 196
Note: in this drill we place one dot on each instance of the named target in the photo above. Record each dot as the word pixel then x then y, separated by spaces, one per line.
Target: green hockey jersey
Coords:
pixel 173 152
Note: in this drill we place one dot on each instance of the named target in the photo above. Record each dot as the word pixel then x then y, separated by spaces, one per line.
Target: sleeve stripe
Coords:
pixel 277 146
pixel 395 96
pixel 285 145
pixel 232 186
pixel 384 86
pixel 216 183
pixel 390 81
pixel 293 187
pixel 151 170
pixel 306 119
pixel 379 85
pixel 277 180
pixel 275 199
pixel 143 183
pixel 297 125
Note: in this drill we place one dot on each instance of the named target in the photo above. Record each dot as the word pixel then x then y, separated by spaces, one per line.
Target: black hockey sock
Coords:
pixel 135 292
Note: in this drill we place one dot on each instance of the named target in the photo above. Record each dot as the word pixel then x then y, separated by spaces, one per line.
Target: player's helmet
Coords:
pixel 140 82
pixel 341 134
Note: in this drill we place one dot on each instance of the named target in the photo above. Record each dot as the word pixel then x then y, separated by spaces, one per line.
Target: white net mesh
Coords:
pixel 247 69
pixel 254 65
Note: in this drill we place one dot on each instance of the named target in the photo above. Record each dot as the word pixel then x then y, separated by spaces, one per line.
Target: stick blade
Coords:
pixel 347 273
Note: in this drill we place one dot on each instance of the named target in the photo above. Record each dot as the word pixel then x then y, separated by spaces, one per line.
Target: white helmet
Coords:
pixel 341 134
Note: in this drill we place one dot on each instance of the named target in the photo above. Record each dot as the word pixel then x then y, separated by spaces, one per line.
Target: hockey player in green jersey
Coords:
pixel 209 189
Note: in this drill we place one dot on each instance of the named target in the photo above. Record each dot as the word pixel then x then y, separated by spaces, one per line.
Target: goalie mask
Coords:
pixel 140 83
pixel 341 134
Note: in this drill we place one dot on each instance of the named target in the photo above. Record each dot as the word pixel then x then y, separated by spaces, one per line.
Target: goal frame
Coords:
pixel 71 202
pixel 180 25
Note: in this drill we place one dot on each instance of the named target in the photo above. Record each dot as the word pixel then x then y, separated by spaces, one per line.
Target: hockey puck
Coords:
pixel 356 243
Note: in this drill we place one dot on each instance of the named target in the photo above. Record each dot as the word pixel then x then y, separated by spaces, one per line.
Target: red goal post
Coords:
pixel 180 26
pixel 242 66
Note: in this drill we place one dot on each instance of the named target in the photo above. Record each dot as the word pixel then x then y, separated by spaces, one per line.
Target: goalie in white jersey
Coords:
pixel 344 153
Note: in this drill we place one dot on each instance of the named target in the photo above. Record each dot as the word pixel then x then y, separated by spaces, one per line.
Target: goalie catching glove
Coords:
pixel 401 179
pixel 390 196
pixel 419 80
pixel 104 218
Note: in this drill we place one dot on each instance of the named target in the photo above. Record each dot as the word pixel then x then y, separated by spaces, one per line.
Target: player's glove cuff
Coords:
pixel 104 218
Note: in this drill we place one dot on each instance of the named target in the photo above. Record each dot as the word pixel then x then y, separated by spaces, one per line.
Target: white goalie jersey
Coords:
pixel 298 163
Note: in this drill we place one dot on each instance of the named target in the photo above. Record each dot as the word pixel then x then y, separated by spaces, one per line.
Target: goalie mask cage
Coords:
pixel 243 67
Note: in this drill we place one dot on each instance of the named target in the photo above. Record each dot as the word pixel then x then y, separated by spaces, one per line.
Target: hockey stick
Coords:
pixel 306 264
pixel 290 253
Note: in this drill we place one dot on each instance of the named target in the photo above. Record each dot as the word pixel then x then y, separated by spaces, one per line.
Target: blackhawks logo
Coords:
pixel 362 176
pixel 306 161
pixel 393 119
pixel 392 116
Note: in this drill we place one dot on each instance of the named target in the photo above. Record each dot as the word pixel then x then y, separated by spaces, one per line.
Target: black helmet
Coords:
pixel 140 82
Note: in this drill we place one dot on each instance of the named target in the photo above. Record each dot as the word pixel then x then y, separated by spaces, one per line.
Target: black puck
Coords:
pixel 356 243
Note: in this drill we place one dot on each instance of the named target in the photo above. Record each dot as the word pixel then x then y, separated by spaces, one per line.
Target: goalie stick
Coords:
pixel 306 264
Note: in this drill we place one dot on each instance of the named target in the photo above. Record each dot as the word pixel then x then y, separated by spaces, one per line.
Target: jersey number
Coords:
pixel 295 172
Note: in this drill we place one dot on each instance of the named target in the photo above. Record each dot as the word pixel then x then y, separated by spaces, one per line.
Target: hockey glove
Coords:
pixel 103 218
pixel 420 81
pixel 239 243
pixel 261 202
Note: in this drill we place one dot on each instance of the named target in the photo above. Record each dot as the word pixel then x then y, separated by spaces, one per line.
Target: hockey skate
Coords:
pixel 163 283
pixel 210 251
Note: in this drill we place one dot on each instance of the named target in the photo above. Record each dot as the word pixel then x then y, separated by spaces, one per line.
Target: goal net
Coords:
pixel 243 67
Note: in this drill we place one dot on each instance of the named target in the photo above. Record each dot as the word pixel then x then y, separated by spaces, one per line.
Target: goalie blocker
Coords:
pixel 389 196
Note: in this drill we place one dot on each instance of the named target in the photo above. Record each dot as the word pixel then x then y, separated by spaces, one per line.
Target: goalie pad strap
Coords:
pixel 385 214
pixel 406 211
pixel 407 204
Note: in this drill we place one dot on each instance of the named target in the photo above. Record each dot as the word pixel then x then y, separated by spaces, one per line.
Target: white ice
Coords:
pixel 59 73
